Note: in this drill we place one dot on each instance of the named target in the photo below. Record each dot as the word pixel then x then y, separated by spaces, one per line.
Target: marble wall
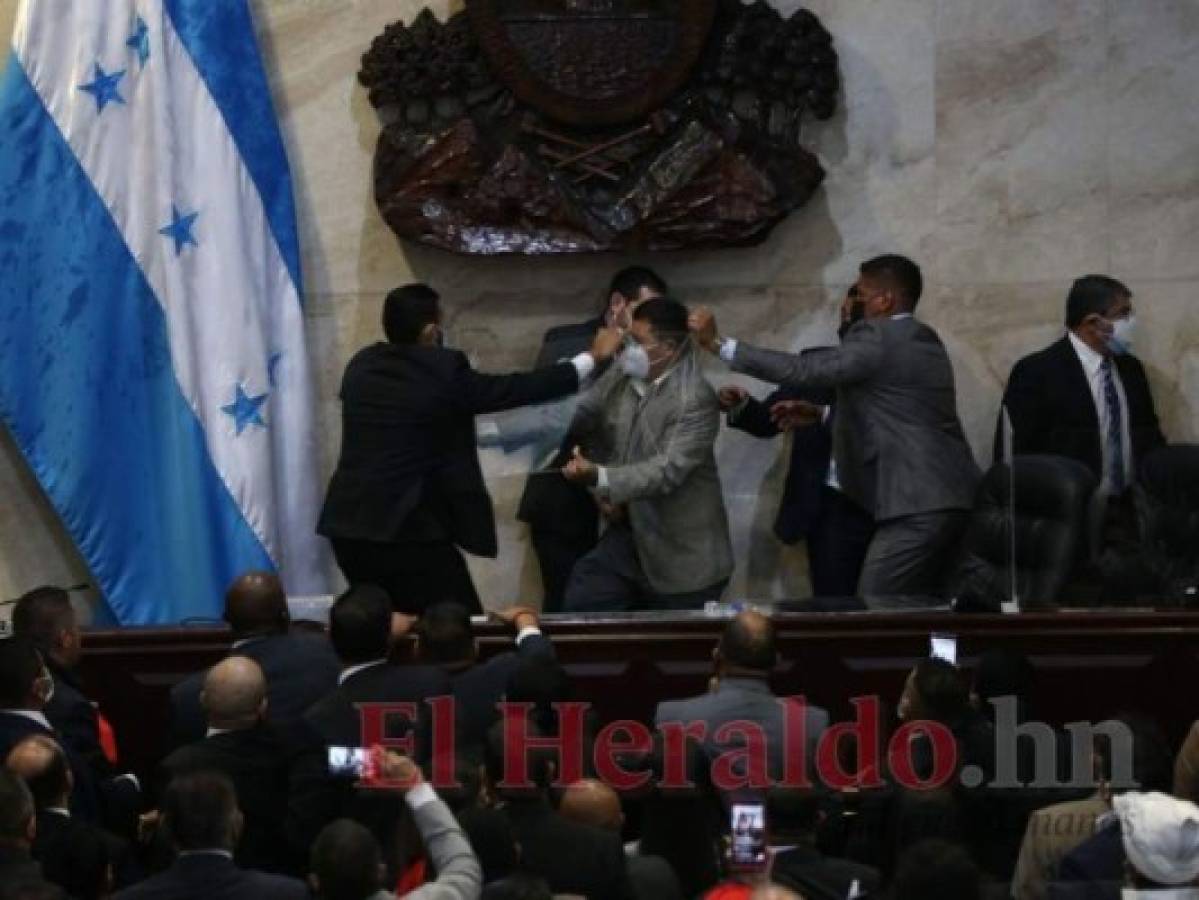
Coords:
pixel 1007 145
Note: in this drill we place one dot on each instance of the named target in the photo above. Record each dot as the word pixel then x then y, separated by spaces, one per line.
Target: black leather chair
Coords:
pixel 1167 503
pixel 1052 496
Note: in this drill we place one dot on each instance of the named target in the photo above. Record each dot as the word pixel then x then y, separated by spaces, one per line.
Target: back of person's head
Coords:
pixel 1152 762
pixel 81 865
pixel 794 814
pixel 199 812
pixel 936 870
pixel 16 810
pixel 43 765
pixel 490 834
pixel 1093 295
pixel 21 668
pixel 540 767
pixel 898 274
pixel 408 311
pixel 542 682
pixel 445 634
pixel 234 694
pixel 941 690
pixel 749 643
pixel 45 616
pixel 667 319
pixel 360 624
pixel 591 802
pixel 256 604
pixel 518 886
pixel 629 282
pixel 346 862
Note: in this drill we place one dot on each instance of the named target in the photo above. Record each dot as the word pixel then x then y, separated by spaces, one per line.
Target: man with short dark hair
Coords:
pixel 562 517
pixel 300 668
pixel 742 662
pixel 898 445
pixel 201 817
pixel 446 639
pixel 650 425
pixel 408 490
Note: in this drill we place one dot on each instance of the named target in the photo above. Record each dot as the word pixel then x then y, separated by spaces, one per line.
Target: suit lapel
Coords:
pixel 1075 383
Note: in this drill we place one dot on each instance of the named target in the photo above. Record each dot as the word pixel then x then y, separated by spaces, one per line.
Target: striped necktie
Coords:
pixel 1114 436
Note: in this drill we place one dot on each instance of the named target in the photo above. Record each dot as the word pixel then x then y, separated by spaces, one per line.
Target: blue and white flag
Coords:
pixel 153 367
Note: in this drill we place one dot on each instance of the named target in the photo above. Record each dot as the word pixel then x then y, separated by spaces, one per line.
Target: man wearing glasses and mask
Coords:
pixel 645 434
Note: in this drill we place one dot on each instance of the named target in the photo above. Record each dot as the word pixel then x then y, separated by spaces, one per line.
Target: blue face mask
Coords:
pixel 1121 338
pixel 634 361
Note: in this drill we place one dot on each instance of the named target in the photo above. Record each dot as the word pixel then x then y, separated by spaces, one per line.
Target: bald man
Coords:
pixel 743 660
pixel 258 757
pixel 299 667
pixel 595 804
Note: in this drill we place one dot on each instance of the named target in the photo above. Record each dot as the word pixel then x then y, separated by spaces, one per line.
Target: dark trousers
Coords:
pixel 837 544
pixel 557 555
pixel 416 575
pixel 909 556
pixel 610 579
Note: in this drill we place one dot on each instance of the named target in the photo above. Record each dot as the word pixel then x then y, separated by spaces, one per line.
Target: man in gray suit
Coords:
pixel 650 424
pixel 898 446
pixel 741 694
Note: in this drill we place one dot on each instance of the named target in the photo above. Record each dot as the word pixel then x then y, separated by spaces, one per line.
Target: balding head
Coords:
pixel 234 694
pixel 593 803
pixel 748 644
pixel 42 765
pixel 256 604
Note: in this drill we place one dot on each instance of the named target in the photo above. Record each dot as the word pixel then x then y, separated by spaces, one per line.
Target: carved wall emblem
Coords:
pixel 554 126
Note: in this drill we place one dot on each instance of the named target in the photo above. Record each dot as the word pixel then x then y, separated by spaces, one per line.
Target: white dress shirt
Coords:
pixel 1092 366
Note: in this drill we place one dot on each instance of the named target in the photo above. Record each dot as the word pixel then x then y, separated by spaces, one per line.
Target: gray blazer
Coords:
pixel 658 452
pixel 459 875
pixel 749 700
pixel 897 439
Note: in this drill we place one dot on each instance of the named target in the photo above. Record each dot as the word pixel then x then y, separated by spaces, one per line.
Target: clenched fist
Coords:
pixel 731 396
pixel 703 326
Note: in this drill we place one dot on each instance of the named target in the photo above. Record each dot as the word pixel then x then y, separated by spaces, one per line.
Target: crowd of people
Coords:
pixel 378 759
pixel 625 507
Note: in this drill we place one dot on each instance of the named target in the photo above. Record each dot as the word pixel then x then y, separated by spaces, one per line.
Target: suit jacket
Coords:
pixel 658 451
pixel 1097 859
pixel 817 877
pixel 85 800
pixel 258 761
pixel 459 875
pixel 74 718
pixel 300 669
pixel 747 699
pixel 572 858
pixel 1051 833
pixel 807 473
pixel 555 505
pixel 897 439
pixel 209 876
pixel 479 688
pixel 57 833
pixel 17 870
pixel 1053 410
pixel 409 469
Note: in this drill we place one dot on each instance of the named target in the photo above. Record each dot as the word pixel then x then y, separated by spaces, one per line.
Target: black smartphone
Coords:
pixel 747 830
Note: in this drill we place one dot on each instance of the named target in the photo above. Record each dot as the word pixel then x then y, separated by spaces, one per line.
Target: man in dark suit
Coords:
pixel 1087 397
pixel 299 668
pixel 562 517
pixel 743 659
pixel 201 816
pixel 795 817
pixel 898 445
pixel 447 640
pixel 408 490
pixel 257 757
pixel 45 616
pixel 19 871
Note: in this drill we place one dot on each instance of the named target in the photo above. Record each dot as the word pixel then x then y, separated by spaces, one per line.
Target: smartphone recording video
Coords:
pixel 944 646
pixel 349 762
pixel 747 823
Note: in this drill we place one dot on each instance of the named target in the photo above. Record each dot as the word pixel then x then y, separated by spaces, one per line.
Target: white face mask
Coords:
pixel 634 361
pixel 1121 338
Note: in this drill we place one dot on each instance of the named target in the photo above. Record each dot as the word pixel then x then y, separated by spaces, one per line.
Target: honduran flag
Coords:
pixel 153 368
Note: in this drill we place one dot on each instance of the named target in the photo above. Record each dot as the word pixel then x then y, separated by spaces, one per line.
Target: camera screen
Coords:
pixel 348 762
pixel 944 646
pixel 748 825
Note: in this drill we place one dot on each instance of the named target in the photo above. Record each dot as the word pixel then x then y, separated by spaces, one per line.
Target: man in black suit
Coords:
pixel 18 828
pixel 408 490
pixel 202 819
pixel 299 668
pixel 813 506
pixel 45 616
pixel 562 517
pixel 1087 397
pixel 257 757
pixel 795 816
pixel 75 855
pixel 447 640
